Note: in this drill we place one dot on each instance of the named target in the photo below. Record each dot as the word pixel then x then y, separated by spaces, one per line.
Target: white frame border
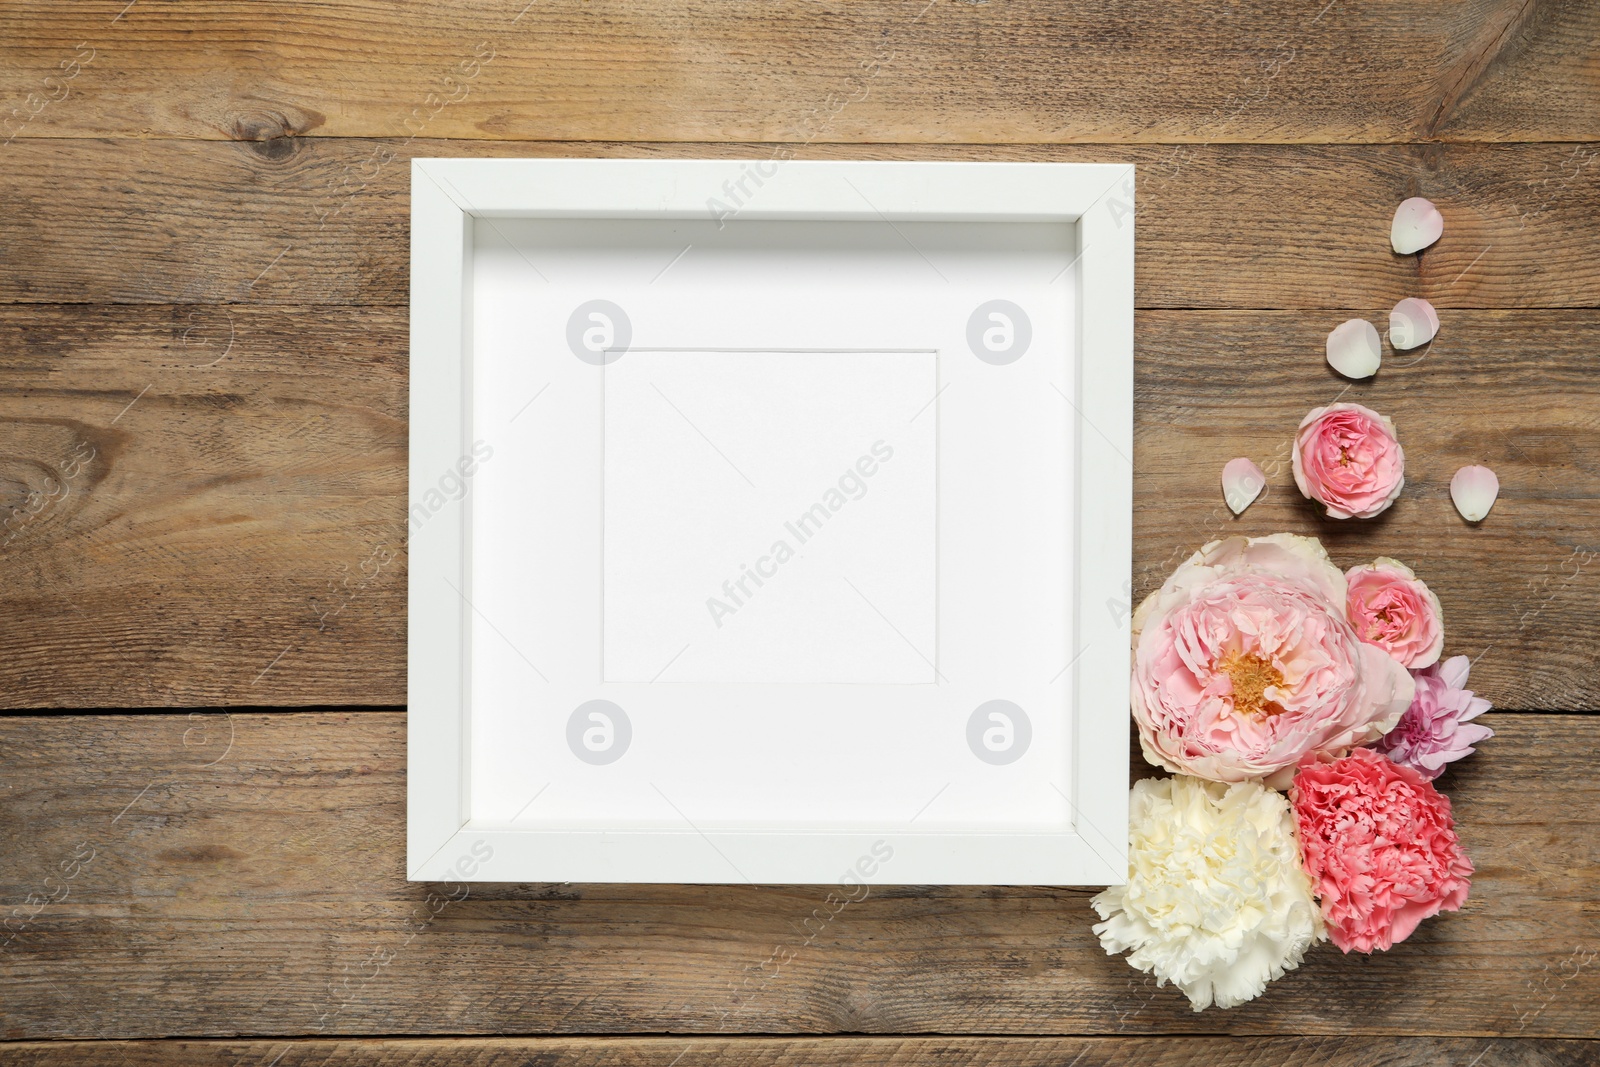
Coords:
pixel 446 194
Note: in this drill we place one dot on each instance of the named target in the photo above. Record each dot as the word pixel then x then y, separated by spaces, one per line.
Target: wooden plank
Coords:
pixel 307 221
pixel 243 875
pixel 220 498
pixel 236 535
pixel 810 1052
pixel 1529 60
pixel 887 71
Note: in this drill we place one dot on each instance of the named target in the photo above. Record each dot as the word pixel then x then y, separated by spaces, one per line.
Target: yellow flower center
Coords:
pixel 1252 676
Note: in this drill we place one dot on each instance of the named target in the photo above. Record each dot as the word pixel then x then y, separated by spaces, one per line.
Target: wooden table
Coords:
pixel 203 260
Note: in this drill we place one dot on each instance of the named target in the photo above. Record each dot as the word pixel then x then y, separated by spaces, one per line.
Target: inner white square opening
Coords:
pixel 603 521
pixel 770 517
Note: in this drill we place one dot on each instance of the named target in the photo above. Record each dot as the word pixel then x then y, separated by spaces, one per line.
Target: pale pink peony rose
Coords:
pixel 1347 458
pixel 1435 730
pixel 1380 847
pixel 1244 661
pixel 1391 607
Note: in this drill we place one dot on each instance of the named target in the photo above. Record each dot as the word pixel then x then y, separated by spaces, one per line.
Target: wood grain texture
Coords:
pixel 219 495
pixel 203 277
pixel 236 535
pixel 894 71
pixel 216 875
pixel 811 1052
pixel 309 221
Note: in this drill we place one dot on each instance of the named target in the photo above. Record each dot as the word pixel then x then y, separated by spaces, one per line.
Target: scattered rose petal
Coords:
pixel 1354 349
pixel 1417 224
pixel 1242 482
pixel 1474 490
pixel 1412 323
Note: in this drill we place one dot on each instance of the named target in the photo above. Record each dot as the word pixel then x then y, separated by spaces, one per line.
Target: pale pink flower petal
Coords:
pixel 1454 672
pixel 1242 482
pixel 1417 224
pixel 1412 323
pixel 1354 349
pixel 1474 490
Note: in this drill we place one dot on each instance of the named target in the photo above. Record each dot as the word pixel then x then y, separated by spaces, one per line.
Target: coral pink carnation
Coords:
pixel 1390 607
pixel 1380 848
pixel 1244 662
pixel 1347 458
pixel 1435 730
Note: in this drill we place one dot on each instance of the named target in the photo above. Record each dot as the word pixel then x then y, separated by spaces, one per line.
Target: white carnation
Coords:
pixel 1216 902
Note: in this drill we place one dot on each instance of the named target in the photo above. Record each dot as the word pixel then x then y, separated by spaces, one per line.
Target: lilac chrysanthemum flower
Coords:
pixel 1435 730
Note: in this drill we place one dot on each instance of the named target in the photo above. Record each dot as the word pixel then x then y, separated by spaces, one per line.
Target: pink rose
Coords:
pixel 1380 848
pixel 1347 458
pixel 1435 730
pixel 1390 607
pixel 1244 662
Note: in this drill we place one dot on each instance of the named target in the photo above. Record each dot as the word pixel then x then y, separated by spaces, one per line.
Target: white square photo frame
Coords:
pixel 770 521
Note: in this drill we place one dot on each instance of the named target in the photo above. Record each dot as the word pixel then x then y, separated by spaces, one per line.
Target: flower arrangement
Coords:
pixel 1305 714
